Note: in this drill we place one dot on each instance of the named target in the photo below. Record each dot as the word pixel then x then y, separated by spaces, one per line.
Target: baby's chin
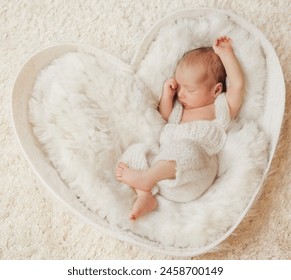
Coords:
pixel 186 106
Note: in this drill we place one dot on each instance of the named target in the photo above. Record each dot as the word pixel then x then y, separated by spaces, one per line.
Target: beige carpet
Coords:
pixel 33 224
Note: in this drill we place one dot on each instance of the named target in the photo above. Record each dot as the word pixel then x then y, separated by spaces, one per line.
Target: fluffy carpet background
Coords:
pixel 34 225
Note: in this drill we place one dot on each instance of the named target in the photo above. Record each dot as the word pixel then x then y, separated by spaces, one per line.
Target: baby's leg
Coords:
pixel 145 203
pixel 145 180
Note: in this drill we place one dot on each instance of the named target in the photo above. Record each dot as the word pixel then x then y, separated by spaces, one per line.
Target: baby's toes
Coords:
pixel 122 165
pixel 118 173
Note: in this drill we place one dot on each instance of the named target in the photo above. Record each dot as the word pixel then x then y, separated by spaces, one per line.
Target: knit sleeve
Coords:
pixel 222 113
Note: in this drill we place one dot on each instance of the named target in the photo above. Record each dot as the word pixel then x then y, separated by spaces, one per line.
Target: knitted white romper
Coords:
pixel 192 145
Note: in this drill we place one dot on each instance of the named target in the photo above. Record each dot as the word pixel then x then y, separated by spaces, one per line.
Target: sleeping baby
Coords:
pixel 198 109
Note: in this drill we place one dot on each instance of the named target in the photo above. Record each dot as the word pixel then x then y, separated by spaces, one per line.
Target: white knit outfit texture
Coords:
pixel 192 145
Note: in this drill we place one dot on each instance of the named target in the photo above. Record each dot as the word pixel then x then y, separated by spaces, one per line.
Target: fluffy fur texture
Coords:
pixel 85 112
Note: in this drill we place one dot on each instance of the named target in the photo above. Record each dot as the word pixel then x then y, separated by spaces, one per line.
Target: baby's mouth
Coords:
pixel 185 105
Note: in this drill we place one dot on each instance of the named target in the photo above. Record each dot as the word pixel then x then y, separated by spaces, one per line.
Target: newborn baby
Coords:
pixel 198 109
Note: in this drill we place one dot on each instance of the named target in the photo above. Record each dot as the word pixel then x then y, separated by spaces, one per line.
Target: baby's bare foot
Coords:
pixel 144 204
pixel 133 178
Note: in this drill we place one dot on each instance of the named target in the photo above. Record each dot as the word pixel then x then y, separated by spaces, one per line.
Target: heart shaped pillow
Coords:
pixel 76 109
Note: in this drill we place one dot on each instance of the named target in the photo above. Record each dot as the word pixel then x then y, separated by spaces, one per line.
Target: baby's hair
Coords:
pixel 206 57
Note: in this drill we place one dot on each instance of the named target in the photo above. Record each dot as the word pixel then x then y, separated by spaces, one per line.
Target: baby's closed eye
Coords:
pixel 192 91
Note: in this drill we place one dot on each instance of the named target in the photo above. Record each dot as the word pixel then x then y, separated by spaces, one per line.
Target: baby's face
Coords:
pixel 193 92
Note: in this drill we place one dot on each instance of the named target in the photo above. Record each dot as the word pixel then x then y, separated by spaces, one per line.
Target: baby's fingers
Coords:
pixel 172 83
pixel 225 39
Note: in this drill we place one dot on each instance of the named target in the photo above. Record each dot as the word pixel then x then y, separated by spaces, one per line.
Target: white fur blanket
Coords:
pixel 87 109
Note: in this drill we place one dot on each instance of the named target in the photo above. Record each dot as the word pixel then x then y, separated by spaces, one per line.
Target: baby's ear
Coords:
pixel 217 89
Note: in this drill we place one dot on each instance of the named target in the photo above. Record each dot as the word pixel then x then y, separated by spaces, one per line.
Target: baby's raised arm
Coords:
pixel 167 99
pixel 235 88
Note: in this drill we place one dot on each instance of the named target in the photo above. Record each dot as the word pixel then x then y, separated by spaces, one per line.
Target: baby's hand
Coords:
pixel 222 45
pixel 170 87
